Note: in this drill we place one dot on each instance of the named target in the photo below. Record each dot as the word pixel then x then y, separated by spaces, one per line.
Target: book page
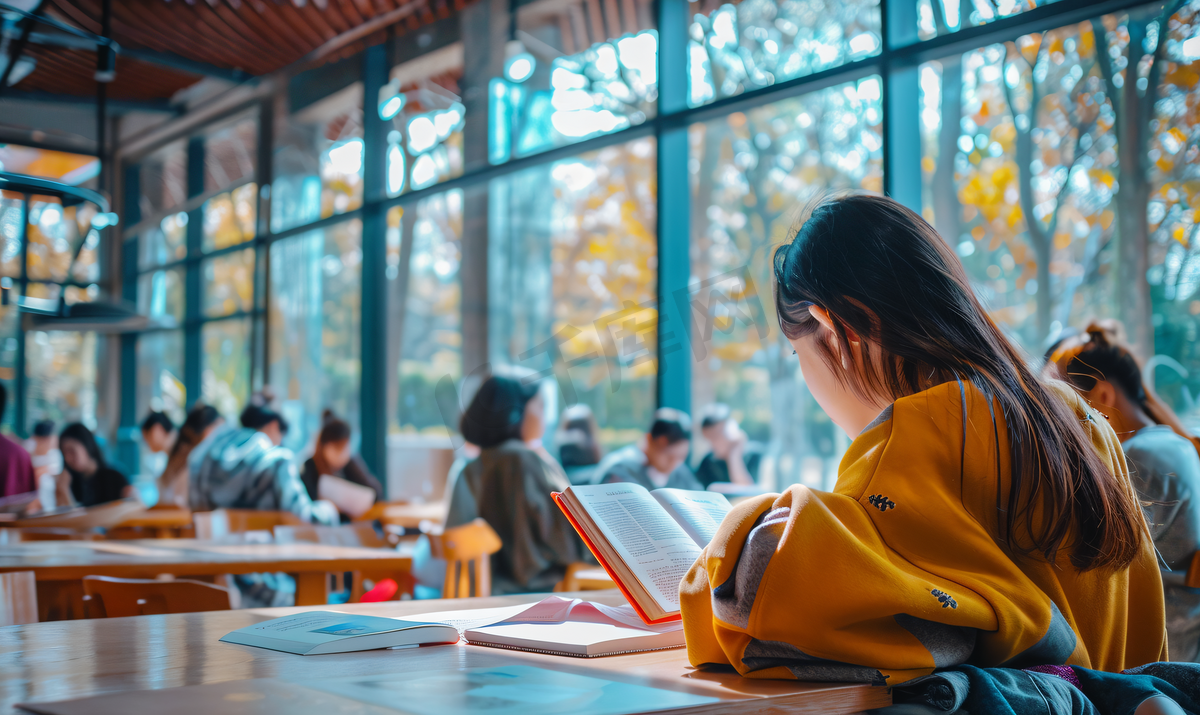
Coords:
pixel 699 513
pixel 650 543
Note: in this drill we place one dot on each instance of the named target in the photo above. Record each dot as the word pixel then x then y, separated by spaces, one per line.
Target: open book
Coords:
pixel 645 540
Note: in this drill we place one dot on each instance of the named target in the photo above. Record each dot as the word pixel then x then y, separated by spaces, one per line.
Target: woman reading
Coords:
pixel 980 516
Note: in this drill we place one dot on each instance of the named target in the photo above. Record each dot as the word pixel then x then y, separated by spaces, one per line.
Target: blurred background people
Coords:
pixel 509 486
pixel 261 418
pixel 245 468
pixel 92 481
pixel 43 450
pixel 659 459
pixel 1162 456
pixel 578 442
pixel 733 457
pixel 158 433
pixel 332 457
pixel 16 469
pixel 173 483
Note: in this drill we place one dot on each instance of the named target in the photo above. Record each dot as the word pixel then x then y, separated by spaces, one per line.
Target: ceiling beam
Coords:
pixel 121 105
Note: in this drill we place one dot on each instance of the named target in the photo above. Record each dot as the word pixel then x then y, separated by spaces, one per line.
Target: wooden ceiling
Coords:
pixel 256 37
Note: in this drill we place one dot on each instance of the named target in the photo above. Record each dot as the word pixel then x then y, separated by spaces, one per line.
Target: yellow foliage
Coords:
pixel 1177 234
pixel 1164 164
pixel 1106 218
pixel 1015 216
pixel 1062 240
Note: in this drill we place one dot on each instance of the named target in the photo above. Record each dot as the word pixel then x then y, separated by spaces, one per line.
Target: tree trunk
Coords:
pixel 1038 238
pixel 1133 229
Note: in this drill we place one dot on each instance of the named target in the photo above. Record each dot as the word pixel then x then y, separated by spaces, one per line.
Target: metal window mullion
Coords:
pixel 673 211
pixel 193 287
pixel 373 372
pixel 19 378
pixel 126 441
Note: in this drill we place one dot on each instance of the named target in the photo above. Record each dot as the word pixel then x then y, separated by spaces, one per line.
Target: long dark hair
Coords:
pixel 87 440
pixel 497 411
pixel 881 271
pixel 191 433
pixel 1099 353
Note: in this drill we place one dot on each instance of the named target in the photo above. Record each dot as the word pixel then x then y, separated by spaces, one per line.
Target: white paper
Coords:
pixel 553 609
pixel 699 513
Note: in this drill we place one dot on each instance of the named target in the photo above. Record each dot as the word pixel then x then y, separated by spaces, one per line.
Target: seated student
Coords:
pixel 733 457
pixel 509 487
pixel 658 459
pixel 158 433
pixel 44 454
pixel 578 443
pixel 16 471
pixel 247 469
pixel 1164 464
pixel 92 480
pixel 173 483
pixel 980 515
pixel 332 456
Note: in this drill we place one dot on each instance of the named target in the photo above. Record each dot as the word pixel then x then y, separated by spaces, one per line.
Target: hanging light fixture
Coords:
pixel 519 63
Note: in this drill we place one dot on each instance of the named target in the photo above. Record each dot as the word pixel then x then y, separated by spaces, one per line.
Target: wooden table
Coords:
pixel 74 659
pixel 159 523
pixel 408 516
pixel 56 563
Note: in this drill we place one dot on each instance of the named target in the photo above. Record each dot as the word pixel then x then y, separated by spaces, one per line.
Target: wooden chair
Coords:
pixel 18 598
pixel 467 551
pixel 357 534
pixel 585 577
pixel 106 597
pixel 222 522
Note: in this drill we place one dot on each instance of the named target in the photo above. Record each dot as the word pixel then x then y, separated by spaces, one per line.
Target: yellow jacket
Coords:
pixel 896 572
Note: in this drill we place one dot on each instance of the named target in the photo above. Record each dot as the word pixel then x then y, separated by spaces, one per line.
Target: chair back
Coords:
pixel 359 534
pixel 106 597
pixel 585 577
pixel 467 551
pixel 222 522
pixel 18 598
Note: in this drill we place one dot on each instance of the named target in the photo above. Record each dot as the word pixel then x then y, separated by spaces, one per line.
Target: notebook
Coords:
pixel 351 499
pixel 323 632
pixel 561 626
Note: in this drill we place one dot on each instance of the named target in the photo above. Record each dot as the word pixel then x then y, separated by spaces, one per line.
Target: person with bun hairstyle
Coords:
pixel 332 456
pixel 1164 460
pixel 983 548
pixel 509 487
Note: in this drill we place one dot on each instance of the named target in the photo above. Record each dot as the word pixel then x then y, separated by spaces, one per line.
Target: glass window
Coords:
pixel 940 17
pixel 1033 167
pixel 11 218
pixel 315 309
pixel 608 81
pixel 230 152
pixel 424 103
pixel 55 233
pixel 9 327
pixel 225 365
pixel 229 218
pixel 752 174
pixel 163 179
pixel 73 169
pixel 756 43
pixel 60 369
pixel 318 161
pixel 1172 147
pixel 429 345
pixel 160 374
pixel 572 281
pixel 161 296
pixel 164 243
pixel 228 283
